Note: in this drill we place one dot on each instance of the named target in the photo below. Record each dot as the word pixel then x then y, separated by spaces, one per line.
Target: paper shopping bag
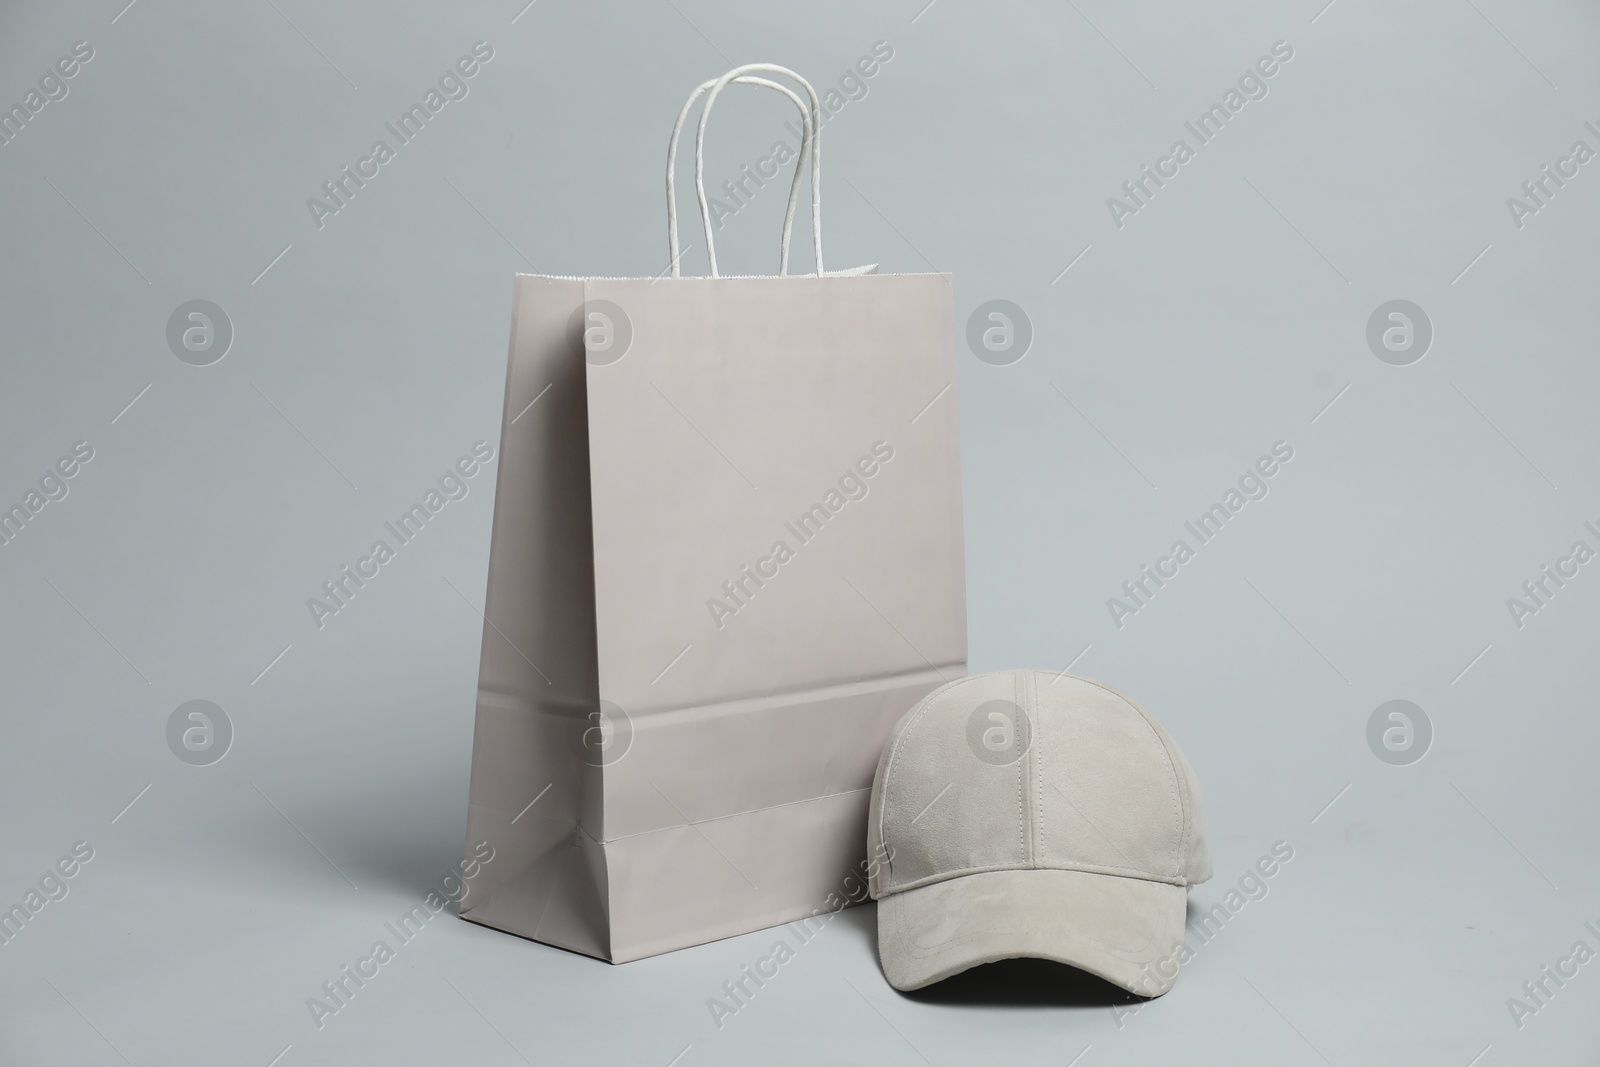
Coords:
pixel 726 557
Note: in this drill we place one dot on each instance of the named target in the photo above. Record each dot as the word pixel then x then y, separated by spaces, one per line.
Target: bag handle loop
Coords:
pixel 810 143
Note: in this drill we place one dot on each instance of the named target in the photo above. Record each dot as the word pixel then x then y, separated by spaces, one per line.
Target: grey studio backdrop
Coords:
pixel 1431 908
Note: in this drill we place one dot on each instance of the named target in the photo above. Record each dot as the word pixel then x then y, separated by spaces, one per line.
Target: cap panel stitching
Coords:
pixel 910 725
pixel 1022 819
pixel 1156 732
pixel 1036 712
pixel 1109 870
pixel 914 720
pixel 1186 838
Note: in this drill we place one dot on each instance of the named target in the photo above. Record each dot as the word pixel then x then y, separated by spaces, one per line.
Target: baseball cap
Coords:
pixel 1031 813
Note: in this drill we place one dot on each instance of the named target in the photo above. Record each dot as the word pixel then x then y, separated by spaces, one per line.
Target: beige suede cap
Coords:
pixel 1030 813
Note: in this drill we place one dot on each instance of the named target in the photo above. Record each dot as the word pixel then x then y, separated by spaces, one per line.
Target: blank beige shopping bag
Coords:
pixel 727 556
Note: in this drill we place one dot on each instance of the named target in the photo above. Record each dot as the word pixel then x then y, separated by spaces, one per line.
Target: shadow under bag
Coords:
pixel 727 556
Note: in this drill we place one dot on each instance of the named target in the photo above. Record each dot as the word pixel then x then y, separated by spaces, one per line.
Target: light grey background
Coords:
pixel 1226 315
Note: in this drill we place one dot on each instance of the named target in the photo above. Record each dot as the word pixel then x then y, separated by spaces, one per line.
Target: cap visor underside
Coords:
pixel 1126 930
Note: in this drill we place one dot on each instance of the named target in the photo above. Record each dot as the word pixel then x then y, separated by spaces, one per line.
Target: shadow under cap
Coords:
pixel 1024 983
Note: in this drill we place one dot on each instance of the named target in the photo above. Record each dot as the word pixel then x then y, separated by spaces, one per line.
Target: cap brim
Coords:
pixel 1128 931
